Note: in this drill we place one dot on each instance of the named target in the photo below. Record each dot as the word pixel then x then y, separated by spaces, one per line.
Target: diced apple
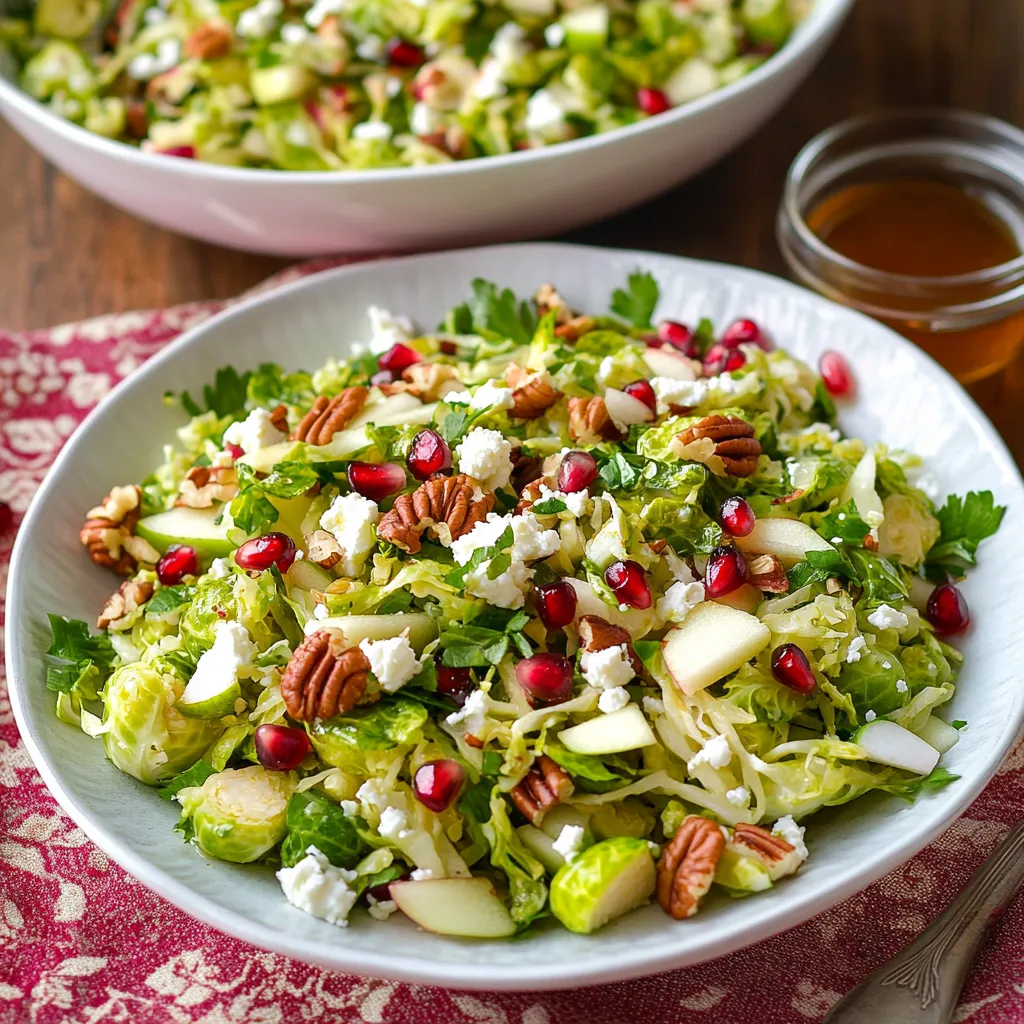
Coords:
pixel 541 845
pixel 888 743
pixel 936 733
pixel 468 907
pixel 196 527
pixel 666 363
pixel 625 729
pixel 712 641
pixel 280 83
pixel 626 409
pixel 746 598
pixel 861 488
pixel 308 576
pixel 788 539
pixel 639 621
pixel 354 628
pixel 586 28
pixel 389 410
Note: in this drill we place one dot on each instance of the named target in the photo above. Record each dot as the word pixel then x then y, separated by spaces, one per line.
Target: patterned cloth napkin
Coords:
pixel 81 942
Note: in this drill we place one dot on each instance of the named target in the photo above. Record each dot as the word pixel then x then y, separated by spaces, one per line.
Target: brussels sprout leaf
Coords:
pixel 314 820
pixel 194 776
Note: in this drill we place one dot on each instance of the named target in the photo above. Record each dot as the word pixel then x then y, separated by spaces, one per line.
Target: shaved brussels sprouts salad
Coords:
pixel 539 613
pixel 321 85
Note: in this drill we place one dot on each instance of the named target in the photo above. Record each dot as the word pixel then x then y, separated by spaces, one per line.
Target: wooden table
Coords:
pixel 65 255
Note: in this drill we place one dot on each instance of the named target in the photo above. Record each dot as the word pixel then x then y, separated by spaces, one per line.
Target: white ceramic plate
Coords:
pixel 498 199
pixel 905 399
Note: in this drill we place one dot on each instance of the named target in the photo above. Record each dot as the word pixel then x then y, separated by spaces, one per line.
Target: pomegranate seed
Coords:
pixel 652 101
pixel 947 610
pixel 679 336
pixel 555 603
pixel 546 677
pixel 448 348
pixel 236 451
pixel 454 683
pixel 745 332
pixel 437 783
pixel 836 373
pixel 376 480
pixel 338 97
pixel 643 392
pixel 628 581
pixel 726 571
pixel 720 359
pixel 398 357
pixel 791 668
pixel 185 152
pixel 262 552
pixel 179 561
pixel 737 516
pixel 6 517
pixel 404 54
pixel 578 470
pixel 280 748
pixel 428 454
pixel 382 892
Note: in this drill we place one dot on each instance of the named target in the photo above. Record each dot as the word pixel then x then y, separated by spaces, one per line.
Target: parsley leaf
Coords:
pixel 843 525
pixel 818 567
pixel 495 313
pixel 269 386
pixel 166 599
pixel 289 480
pixel 619 473
pixel 881 580
pixel 548 507
pixel 251 511
pixel 194 776
pixel 454 426
pixel 938 779
pixel 399 601
pixel 637 304
pixel 225 398
pixel 965 523
pixel 457 577
pixel 958 723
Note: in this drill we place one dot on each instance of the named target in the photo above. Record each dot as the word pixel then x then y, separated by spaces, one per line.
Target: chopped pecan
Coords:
pixel 526 469
pixel 209 40
pixel 657 546
pixel 107 532
pixel 204 485
pixel 548 299
pixel 687 866
pixel 330 415
pixel 128 598
pixel 767 573
pixel 279 418
pixel 532 393
pixel 597 634
pixel 431 381
pixel 446 507
pixel 530 493
pixel 323 548
pixel 870 544
pixel 777 855
pixel 321 681
pixel 575 328
pixel 726 444
pixel 589 421
pixel 543 786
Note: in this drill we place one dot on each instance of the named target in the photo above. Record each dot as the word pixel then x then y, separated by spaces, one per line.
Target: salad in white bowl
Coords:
pixel 543 612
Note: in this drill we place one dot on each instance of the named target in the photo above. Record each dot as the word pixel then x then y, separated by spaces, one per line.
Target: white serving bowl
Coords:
pixel 905 399
pixel 522 195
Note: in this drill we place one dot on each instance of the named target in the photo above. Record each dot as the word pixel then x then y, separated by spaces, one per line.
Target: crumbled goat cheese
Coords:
pixel 351 520
pixel 678 601
pixel 554 35
pixel 321 612
pixel 716 752
pixel 546 111
pixel 371 49
pixel 148 65
pixel 422 875
pixel 786 828
pixel 490 396
pixel 473 714
pixel 231 654
pixel 393 823
pixel 424 120
pixel 316 886
pixel 392 661
pixel 386 330
pixel 568 843
pixel 373 797
pixel 509 45
pixel 323 9
pixel 654 705
pixel 855 651
pixel 294 33
pixel 219 568
pixel 901 686
pixel 373 131
pixel 578 503
pixel 607 669
pixel 605 369
pixel 259 20
pixel 488 84
pixel 869 716
pixel 380 910
pixel 529 539
pixel 297 134
pixel 350 808
pixel 611 700
pixel 670 391
pixel 506 590
pixel 254 432
pixel 485 455
pixel 738 797
pixel 887 617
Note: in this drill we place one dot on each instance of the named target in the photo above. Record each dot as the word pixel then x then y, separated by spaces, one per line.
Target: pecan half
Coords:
pixel 445 507
pixel 532 393
pixel 323 548
pixel 210 40
pixel 543 786
pixel 107 532
pixel 279 418
pixel 589 421
pixel 204 485
pixel 687 866
pixel 575 328
pixel 321 681
pixel 430 381
pixel 767 573
pixel 597 634
pixel 330 415
pixel 526 469
pixel 128 598
pixel 530 493
pixel 778 856
pixel 726 444
pixel 548 299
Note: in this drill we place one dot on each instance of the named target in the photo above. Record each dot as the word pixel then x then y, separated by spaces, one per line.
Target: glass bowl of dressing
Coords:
pixel 916 217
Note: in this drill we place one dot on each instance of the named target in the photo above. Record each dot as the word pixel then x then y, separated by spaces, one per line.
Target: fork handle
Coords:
pixel 921 984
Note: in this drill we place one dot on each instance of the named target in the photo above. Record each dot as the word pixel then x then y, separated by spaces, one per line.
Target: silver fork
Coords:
pixel 921 984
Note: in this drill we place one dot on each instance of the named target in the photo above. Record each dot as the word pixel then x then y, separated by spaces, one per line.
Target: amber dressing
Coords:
pixel 933 230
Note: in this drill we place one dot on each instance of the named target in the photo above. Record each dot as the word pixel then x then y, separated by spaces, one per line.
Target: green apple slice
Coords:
pixel 541 845
pixel 196 527
pixel 280 83
pixel 202 698
pixel 468 907
pixel 604 882
pixel 355 628
pixel 936 733
pixel 263 460
pixel 625 729
pixel 308 576
pixel 788 540
pixel 586 29
pixel 888 743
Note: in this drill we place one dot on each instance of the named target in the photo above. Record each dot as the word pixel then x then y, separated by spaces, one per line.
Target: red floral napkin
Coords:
pixel 81 942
